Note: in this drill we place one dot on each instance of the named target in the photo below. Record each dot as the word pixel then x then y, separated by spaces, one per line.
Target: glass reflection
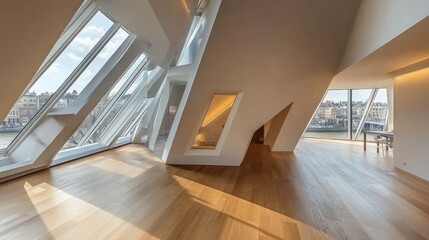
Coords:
pixel 331 118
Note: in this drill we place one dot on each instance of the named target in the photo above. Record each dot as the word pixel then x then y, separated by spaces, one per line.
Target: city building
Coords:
pixel 214 119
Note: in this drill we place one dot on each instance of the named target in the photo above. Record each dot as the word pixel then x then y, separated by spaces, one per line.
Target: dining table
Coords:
pixel 387 135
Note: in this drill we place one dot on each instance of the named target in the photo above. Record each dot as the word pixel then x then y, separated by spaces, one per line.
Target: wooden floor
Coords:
pixel 325 190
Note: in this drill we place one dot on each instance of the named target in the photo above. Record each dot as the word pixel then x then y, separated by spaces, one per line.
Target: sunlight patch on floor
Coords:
pixel 75 218
pixel 121 167
pixel 246 219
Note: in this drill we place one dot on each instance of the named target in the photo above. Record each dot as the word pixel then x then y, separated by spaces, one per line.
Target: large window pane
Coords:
pixel 214 121
pixel 55 75
pixel 359 101
pixel 193 42
pixel 331 118
pixel 132 130
pixel 176 94
pixel 377 115
pixel 116 108
pixel 91 119
pixel 134 119
pixel 93 68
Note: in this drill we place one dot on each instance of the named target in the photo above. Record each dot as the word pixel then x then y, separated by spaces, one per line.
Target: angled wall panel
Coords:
pixel 275 54
pixel 378 22
pixel 276 125
pixel 150 22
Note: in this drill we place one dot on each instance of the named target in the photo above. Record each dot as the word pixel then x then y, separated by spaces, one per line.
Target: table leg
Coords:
pixel 364 141
pixel 378 146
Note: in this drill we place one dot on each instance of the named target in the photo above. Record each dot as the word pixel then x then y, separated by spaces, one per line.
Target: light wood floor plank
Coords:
pixel 324 190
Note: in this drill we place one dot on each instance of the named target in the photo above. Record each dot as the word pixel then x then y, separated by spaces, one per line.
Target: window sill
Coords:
pixel 64 111
pixel 77 152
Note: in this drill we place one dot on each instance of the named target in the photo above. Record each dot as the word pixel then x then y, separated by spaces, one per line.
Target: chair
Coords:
pixel 390 142
pixel 381 140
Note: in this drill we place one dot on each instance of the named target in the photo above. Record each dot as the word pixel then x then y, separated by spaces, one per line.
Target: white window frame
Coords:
pixel 116 98
pixel 371 99
pixel 42 112
pixel 116 126
pixel 106 143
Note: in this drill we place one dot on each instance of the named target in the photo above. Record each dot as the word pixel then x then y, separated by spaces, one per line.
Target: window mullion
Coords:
pixel 350 115
pixel 106 110
pixel 386 121
pixel 365 113
pixel 128 104
pixel 85 63
pixel 141 111
pixel 119 129
pixel 129 122
pixel 372 103
pixel 124 108
pixel 146 115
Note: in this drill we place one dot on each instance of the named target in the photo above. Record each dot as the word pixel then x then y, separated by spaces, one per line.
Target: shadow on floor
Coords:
pixel 141 197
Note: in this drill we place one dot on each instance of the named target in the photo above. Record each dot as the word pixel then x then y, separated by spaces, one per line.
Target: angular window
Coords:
pixel 331 118
pixel 130 130
pixel 113 111
pixel 129 127
pixel 360 99
pixel 192 43
pixel 214 121
pixel 106 102
pixel 49 81
pixel 369 112
pixel 89 73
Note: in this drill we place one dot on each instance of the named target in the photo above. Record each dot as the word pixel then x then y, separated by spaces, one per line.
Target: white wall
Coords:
pixel 379 21
pixel 275 54
pixel 408 49
pixel 275 125
pixel 175 17
pixel 411 96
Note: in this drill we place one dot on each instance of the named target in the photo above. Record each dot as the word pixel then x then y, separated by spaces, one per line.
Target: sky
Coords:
pixel 358 95
pixel 75 52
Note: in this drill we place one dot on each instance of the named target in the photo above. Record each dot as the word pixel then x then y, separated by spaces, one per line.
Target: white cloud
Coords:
pixel 113 44
pixel 74 57
pixel 54 68
pixel 86 42
pixel 92 29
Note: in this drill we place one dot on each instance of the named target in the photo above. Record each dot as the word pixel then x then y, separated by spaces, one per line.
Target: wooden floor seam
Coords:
pixel 323 190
